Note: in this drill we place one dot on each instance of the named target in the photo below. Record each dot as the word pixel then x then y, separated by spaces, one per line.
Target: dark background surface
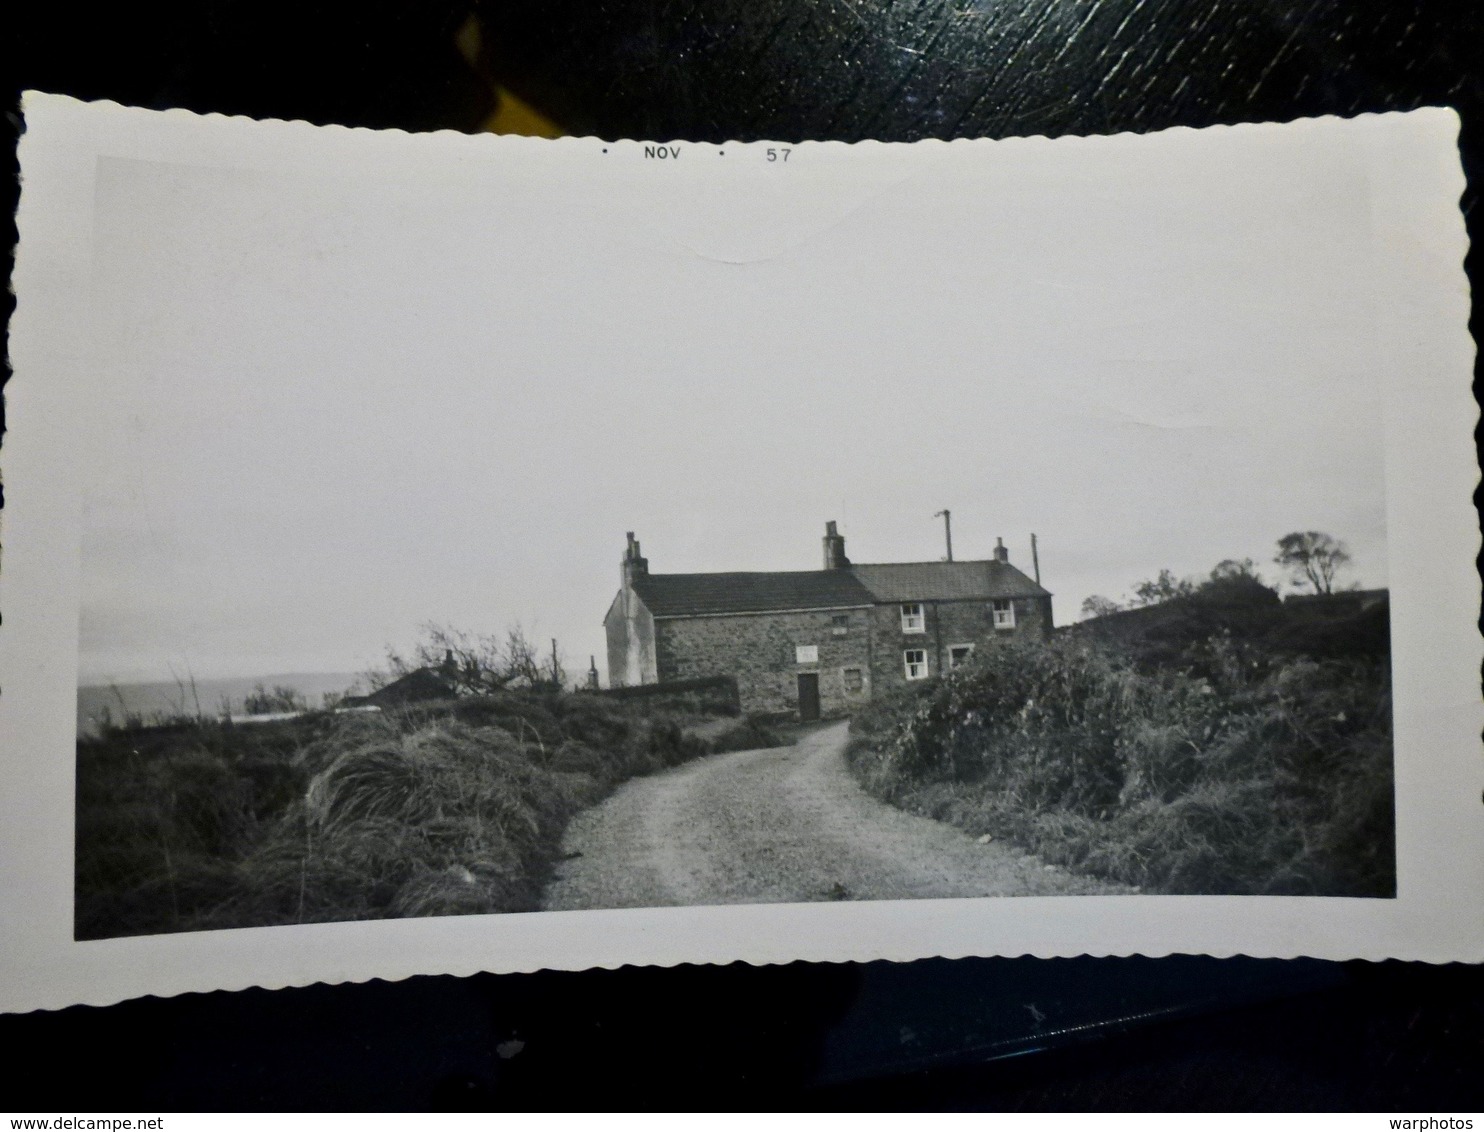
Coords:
pixel 1180 1032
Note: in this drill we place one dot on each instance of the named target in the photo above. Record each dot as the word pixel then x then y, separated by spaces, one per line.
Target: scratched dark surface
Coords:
pixel 1186 1033
pixel 909 69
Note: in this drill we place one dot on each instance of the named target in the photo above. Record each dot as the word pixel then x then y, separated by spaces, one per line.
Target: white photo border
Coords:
pixel 1411 166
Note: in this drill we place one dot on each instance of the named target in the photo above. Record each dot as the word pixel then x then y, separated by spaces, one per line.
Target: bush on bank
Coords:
pixel 1262 774
pixel 456 807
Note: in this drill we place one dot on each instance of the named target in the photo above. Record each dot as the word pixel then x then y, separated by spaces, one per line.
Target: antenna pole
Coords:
pixel 947 531
pixel 1035 560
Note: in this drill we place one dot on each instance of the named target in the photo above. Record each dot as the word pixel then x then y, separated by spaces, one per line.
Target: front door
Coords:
pixel 808 695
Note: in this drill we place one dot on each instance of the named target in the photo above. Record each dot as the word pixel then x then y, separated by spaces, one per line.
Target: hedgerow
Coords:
pixel 455 807
pixel 1243 773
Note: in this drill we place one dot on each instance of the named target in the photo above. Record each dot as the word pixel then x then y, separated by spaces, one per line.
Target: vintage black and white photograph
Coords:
pixel 429 574
pixel 468 529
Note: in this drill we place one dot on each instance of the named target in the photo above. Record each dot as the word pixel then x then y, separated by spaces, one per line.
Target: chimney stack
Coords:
pixel 1000 553
pixel 635 565
pixel 834 547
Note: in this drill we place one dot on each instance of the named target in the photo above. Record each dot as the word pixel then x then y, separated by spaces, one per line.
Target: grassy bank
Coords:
pixel 430 810
pixel 1244 770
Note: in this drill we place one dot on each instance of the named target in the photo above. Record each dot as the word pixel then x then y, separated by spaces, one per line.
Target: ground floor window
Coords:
pixel 1004 614
pixel 959 654
pixel 915 661
pixel 855 681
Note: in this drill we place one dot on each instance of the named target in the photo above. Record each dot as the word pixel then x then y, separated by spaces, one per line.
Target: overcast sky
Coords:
pixel 332 406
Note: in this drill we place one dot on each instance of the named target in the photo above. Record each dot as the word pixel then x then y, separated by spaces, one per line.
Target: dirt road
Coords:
pixel 787 824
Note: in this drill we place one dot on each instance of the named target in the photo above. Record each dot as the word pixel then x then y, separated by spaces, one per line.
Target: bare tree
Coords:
pixel 474 663
pixel 522 659
pixel 554 672
pixel 1313 557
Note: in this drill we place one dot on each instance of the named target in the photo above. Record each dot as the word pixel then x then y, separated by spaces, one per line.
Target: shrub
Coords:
pixel 426 809
pixel 576 757
pixel 745 733
pixel 1257 773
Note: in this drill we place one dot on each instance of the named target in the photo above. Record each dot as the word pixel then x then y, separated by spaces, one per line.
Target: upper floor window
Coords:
pixel 915 662
pixel 912 618
pixel 840 624
pixel 1004 613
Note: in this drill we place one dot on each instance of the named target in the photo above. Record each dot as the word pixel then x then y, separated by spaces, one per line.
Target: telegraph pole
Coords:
pixel 1035 560
pixel 947 531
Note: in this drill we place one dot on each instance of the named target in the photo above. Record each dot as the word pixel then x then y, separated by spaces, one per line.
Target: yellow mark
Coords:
pixel 511 115
pixel 515 116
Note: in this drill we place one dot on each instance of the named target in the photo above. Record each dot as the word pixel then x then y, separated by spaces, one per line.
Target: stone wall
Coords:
pixel 945 625
pixel 715 694
pixel 859 651
pixel 760 651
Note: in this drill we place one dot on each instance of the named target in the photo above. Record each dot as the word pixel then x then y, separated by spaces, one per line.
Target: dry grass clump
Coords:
pixel 1262 775
pixel 437 819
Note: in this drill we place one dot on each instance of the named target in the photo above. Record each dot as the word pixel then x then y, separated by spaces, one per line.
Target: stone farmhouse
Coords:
pixel 816 643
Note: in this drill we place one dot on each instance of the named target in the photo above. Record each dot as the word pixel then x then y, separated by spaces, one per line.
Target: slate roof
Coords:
pixel 697 595
pixel 416 686
pixel 679 595
pixel 946 581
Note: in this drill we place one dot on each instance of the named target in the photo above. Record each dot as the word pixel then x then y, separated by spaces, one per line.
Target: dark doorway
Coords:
pixel 808 695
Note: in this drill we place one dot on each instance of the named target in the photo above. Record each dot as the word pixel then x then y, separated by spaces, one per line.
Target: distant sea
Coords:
pixel 164 699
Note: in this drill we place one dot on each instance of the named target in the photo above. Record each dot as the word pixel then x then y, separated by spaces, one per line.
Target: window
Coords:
pixel 1004 613
pixel 915 661
pixel 806 654
pixel 840 624
pixel 854 681
pixel 912 619
pixel 959 654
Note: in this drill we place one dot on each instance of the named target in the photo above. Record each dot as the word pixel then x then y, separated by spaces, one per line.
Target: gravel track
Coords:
pixel 782 825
